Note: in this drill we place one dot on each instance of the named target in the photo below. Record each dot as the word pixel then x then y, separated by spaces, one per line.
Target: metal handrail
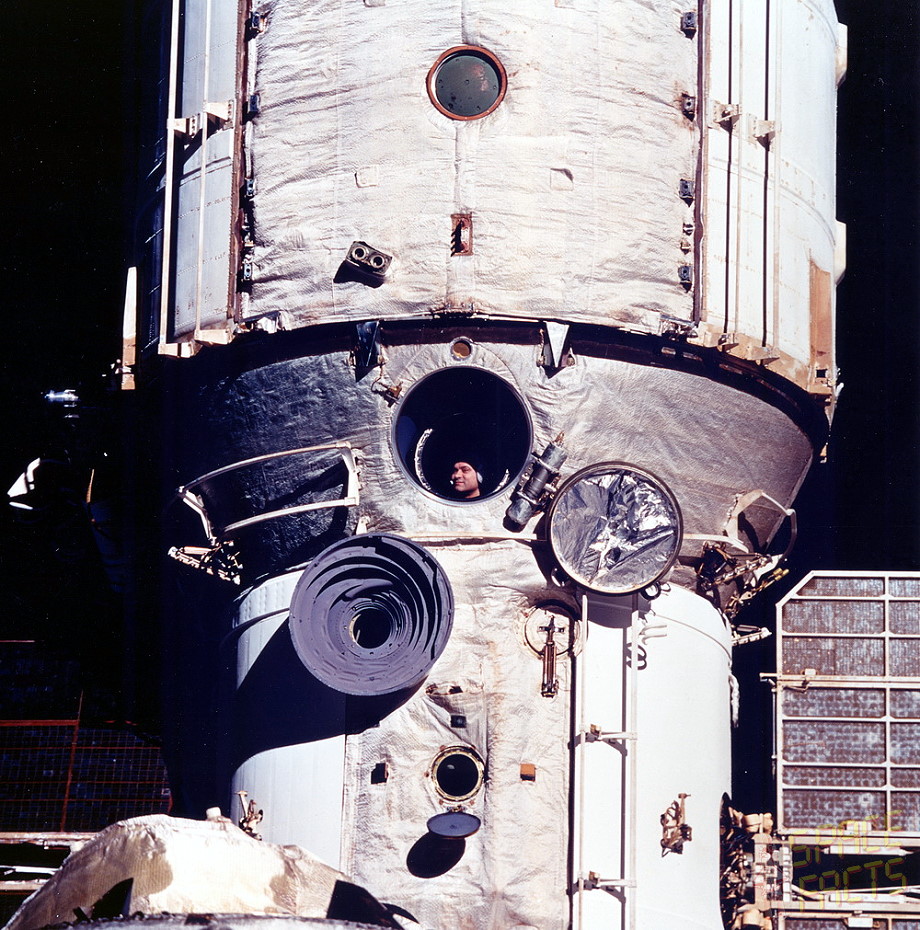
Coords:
pixel 215 535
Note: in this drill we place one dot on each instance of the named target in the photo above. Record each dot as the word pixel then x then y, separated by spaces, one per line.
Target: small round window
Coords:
pixel 467 82
pixel 463 434
pixel 457 773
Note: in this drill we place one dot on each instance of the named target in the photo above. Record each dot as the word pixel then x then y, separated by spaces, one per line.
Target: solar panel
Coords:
pixel 848 707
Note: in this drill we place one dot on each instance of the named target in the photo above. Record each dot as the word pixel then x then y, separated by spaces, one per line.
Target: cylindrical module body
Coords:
pixel 419 246
pixel 652 763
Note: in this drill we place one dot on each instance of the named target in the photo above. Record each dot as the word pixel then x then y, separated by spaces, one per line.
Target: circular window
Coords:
pixel 466 82
pixel 457 773
pixel 462 434
pixel 461 349
pixel 614 528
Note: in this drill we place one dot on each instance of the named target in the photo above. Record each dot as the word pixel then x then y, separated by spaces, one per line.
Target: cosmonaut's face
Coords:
pixel 464 481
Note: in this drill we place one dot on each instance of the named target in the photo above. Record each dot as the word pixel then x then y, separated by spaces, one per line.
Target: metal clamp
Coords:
pixel 593 882
pixel 726 114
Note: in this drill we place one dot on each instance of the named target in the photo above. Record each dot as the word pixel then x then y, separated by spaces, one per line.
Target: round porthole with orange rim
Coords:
pixel 467 82
pixel 458 773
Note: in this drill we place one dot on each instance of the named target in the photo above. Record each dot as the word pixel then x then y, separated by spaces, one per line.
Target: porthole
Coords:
pixel 457 773
pixel 461 349
pixel 462 434
pixel 467 82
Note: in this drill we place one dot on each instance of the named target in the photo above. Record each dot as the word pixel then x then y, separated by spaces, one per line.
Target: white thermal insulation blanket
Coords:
pixel 514 867
pixel 183 866
pixel 571 182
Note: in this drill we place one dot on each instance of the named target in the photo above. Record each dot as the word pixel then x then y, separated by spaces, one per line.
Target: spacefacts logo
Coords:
pixel 835 863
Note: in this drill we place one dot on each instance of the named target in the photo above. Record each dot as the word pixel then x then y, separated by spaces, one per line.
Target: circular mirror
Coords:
pixel 614 528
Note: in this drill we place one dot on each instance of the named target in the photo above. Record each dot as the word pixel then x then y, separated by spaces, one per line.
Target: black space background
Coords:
pixel 69 143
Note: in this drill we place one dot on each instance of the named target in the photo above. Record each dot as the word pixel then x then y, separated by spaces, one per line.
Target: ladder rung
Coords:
pixel 592 882
pixel 594 734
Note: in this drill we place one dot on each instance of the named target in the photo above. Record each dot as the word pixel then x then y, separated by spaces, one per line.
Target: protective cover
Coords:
pixel 707 442
pixel 614 529
pixel 371 614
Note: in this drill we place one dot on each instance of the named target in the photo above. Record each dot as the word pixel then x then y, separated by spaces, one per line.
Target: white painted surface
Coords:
pixel 681 718
pixel 769 209
pixel 299 787
pixel 203 217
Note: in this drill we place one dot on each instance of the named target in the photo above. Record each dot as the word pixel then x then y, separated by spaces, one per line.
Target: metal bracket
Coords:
pixel 674 326
pixel 726 114
pixel 554 351
pixel 221 561
pixel 221 111
pixel 743 634
pixel 250 816
pixel 255 24
pixel 367 355
pixel 177 349
pixel 594 882
pixel 595 734
pixel 763 130
pixel 188 126
pixel 675 831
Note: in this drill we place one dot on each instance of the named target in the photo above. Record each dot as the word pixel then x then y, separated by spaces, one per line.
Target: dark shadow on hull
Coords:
pixel 280 703
pixel 433 855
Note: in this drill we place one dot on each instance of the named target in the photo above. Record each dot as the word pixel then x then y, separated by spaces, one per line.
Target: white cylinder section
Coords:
pixel 298 786
pixel 653 707
pixel 571 183
pixel 771 245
